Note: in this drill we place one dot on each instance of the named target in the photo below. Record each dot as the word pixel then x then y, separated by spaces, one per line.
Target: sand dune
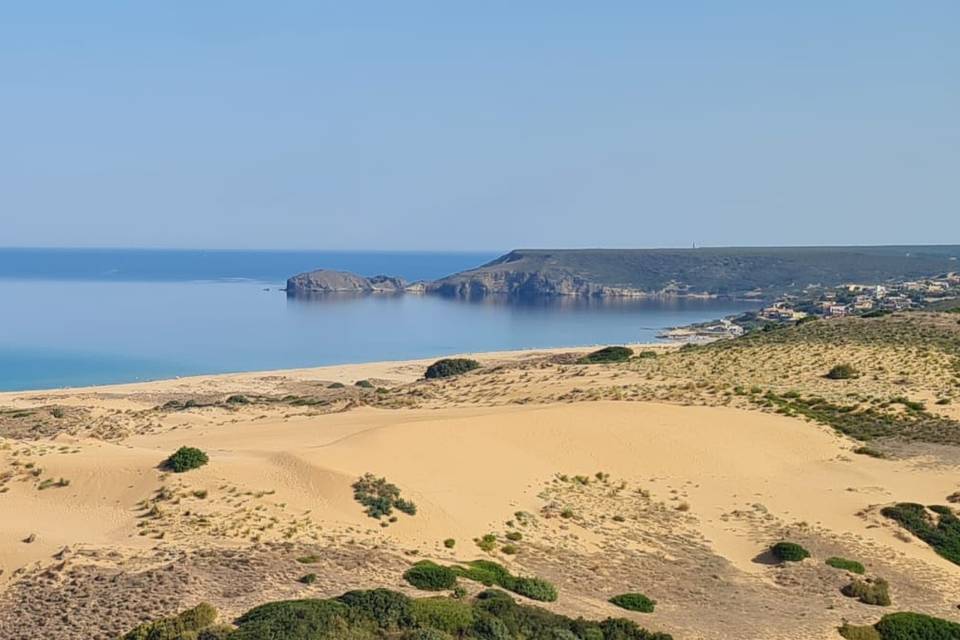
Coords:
pixel 691 486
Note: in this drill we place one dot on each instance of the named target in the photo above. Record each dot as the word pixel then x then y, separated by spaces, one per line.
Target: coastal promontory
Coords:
pixel 330 281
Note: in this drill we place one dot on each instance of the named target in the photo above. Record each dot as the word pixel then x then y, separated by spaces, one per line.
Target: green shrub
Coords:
pixel 647 354
pixel 870 451
pixel 634 602
pixel 916 626
pixel 858 632
pixel 391 611
pixel 429 576
pixel 509 549
pixel 846 565
pixel 309 578
pixel 490 573
pixel 336 385
pixel 488 627
pixel 380 614
pixel 447 367
pixel 380 497
pixel 185 459
pixel 514 536
pixel 875 592
pixel 943 534
pixel 789 552
pixel 607 354
pixel 238 399
pixel 842 372
pixel 364 384
pixel 445 614
pixel 449 543
pixel 533 588
pixel 623 629
pixel 300 620
pixel 487 543
pixel 186 622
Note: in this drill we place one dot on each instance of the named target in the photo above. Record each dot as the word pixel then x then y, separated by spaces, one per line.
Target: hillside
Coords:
pixel 712 271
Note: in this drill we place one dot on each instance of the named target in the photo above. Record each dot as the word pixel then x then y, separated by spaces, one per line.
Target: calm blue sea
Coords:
pixel 82 317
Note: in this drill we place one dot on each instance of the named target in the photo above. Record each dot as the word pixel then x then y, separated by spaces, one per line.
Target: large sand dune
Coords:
pixel 694 496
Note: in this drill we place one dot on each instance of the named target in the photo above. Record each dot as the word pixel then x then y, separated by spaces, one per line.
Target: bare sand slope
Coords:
pixel 725 480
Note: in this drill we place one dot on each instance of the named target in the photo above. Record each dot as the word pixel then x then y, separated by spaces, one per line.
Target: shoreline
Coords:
pixel 398 370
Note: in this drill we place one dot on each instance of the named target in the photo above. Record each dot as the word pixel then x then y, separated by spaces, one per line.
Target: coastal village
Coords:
pixel 941 292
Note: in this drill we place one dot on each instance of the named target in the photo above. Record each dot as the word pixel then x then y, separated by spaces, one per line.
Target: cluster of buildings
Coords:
pixel 856 299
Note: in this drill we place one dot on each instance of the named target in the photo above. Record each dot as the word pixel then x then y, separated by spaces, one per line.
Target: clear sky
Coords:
pixel 482 125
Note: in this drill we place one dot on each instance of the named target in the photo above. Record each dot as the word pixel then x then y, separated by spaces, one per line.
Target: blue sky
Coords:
pixel 486 126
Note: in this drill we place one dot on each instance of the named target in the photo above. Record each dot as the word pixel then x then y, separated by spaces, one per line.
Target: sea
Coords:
pixel 78 317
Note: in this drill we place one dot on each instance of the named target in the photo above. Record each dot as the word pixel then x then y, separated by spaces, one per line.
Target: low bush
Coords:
pixel 445 614
pixel 634 602
pixel 449 543
pixel 447 367
pixel 875 592
pixel 858 632
pixel 942 533
pixel 490 573
pixel 363 384
pixel 870 451
pixel 533 588
pixel 429 576
pixel 509 549
pixel 380 497
pixel 190 621
pixel 916 626
pixel 185 459
pixel 789 552
pixel 842 372
pixel 391 611
pixel 309 578
pixel 300 620
pixel 380 614
pixel 647 354
pixel 514 536
pixel 846 565
pixel 607 354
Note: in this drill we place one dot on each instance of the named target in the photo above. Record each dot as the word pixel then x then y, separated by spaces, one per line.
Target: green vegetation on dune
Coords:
pixel 875 591
pixel 789 552
pixel 939 527
pixel 903 626
pixel 380 497
pixel 896 418
pixel 607 354
pixel 447 367
pixel 487 573
pixel 845 565
pixel 381 614
pixel 634 602
pixel 185 459
pixel 182 625
pixel 430 576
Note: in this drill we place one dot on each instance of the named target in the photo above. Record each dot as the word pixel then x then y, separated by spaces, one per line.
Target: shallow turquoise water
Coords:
pixel 111 326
